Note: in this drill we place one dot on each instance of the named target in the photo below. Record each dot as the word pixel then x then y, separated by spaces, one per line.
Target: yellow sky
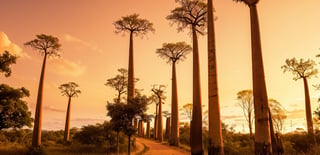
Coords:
pixel 92 53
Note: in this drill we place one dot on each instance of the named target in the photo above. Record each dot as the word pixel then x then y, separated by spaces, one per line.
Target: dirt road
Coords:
pixel 156 148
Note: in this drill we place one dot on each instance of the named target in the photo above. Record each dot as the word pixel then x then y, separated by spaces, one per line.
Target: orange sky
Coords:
pixel 92 53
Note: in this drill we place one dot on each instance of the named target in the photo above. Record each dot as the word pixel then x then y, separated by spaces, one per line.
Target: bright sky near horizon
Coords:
pixel 92 53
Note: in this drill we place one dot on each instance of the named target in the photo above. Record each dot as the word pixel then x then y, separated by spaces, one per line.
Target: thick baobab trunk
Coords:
pixel 168 128
pixel 142 129
pixel 36 136
pixel 155 130
pixel 196 142
pixel 148 129
pixel 215 132
pixel 250 124
pixel 130 91
pixel 139 127
pixel 160 127
pixel 174 136
pixel 262 126
pixel 308 106
pixel 67 125
pixel 135 123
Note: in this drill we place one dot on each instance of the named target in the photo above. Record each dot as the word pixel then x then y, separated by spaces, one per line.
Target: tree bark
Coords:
pixel 139 127
pixel 67 125
pixel 36 136
pixel 308 106
pixel 118 149
pixel 129 144
pixel 130 91
pixel 160 127
pixel 168 128
pixel 148 129
pixel 262 126
pixel 196 142
pixel 215 132
pixel 155 130
pixel 174 137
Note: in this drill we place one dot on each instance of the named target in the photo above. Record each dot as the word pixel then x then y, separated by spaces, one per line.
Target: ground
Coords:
pixel 157 148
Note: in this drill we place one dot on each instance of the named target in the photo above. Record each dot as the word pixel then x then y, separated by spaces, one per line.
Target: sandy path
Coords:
pixel 156 148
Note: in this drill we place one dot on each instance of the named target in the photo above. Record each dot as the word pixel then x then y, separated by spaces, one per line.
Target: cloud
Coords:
pixel 53 108
pixel 7 45
pixel 70 38
pixel 67 67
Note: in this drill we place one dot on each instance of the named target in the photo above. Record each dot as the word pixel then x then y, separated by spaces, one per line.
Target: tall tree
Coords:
pixel 13 109
pixel 138 27
pixel 192 13
pixel 159 92
pixel 303 69
pixel 246 103
pixel 70 90
pixel 47 45
pixel 260 97
pixel 174 53
pixel 7 59
pixel 215 132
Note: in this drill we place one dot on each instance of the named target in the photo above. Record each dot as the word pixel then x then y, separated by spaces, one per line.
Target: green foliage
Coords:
pixel 13 110
pixel 99 135
pixel 7 59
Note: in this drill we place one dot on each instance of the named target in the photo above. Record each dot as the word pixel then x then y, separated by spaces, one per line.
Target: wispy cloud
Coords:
pixel 7 45
pixel 70 38
pixel 67 67
pixel 52 108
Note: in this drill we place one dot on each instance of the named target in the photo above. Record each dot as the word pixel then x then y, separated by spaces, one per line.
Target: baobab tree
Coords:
pixel 70 90
pixel 159 92
pixel 215 131
pixel 303 69
pixel 47 45
pixel 246 103
pixel 174 53
pixel 192 14
pixel 260 97
pixel 7 59
pixel 138 27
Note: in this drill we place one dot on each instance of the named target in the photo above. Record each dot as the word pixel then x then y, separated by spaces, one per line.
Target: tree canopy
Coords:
pixel 13 110
pixel 70 89
pixel 300 68
pixel 133 24
pixel 174 52
pixel 45 44
pixel 191 12
pixel 7 59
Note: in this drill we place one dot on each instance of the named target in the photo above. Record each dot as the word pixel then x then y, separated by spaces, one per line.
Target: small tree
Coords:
pixel 278 115
pixel 135 26
pixel 47 45
pixel 246 103
pixel 13 110
pixel 187 111
pixel 70 90
pixel 119 83
pixel 303 69
pixel 7 59
pixel 159 93
pixel 192 14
